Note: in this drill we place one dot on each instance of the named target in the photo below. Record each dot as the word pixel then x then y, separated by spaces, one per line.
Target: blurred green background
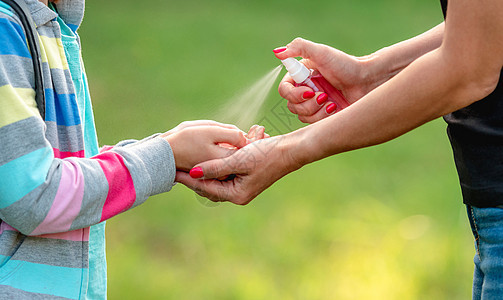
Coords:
pixel 380 223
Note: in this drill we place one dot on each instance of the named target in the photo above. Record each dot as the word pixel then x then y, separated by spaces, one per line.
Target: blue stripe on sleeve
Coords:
pixel 5 9
pixel 32 277
pixel 73 27
pixel 61 108
pixel 15 184
pixel 13 41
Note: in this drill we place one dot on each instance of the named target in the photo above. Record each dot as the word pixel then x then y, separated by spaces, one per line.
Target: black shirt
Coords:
pixel 476 135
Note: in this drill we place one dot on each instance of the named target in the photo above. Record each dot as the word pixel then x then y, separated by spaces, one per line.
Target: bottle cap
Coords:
pixel 296 69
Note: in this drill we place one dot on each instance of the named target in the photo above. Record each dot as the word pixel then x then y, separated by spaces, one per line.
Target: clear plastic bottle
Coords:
pixel 303 76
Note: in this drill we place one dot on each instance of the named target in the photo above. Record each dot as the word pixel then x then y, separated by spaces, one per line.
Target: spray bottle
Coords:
pixel 303 76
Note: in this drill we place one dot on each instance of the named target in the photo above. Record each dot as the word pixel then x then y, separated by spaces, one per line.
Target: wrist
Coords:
pixel 375 69
pixel 296 150
pixel 313 142
pixel 171 138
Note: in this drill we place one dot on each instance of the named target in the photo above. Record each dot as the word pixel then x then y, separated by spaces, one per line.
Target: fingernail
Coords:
pixel 331 108
pixel 279 50
pixel 308 95
pixel 196 172
pixel 322 98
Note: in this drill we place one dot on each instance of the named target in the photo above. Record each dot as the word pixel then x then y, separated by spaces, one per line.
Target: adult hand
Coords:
pixel 256 167
pixel 351 75
pixel 197 141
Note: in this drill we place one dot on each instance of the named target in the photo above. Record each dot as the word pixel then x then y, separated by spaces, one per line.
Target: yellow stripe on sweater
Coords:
pixel 16 104
pixel 53 52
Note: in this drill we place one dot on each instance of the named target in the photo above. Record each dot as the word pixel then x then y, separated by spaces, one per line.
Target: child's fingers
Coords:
pixel 187 124
pixel 255 133
pixel 259 132
pixel 251 132
pixel 229 136
pixel 221 151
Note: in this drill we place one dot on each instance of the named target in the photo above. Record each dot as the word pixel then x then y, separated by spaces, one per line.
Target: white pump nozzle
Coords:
pixel 296 69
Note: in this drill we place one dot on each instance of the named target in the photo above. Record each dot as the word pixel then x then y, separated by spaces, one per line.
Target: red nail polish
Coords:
pixel 322 98
pixel 308 95
pixel 196 172
pixel 331 108
pixel 279 50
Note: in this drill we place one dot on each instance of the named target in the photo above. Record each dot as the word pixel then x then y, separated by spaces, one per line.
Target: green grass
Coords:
pixel 380 223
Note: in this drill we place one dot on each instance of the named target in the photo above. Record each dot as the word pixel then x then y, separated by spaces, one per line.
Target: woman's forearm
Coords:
pixel 464 69
pixel 444 73
pixel 430 87
pixel 389 61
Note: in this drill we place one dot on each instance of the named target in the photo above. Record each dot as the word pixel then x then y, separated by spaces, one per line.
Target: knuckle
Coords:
pixel 297 40
pixel 304 109
pixel 303 119
pixel 291 108
pixel 312 108
pixel 284 89
pixel 211 170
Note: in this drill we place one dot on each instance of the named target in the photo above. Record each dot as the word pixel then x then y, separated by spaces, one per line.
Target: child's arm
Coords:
pixel 42 194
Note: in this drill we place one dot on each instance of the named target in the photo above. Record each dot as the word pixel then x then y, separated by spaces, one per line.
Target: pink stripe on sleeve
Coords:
pixel 78 235
pixel 106 148
pixel 121 193
pixel 6 227
pixel 63 154
pixel 66 205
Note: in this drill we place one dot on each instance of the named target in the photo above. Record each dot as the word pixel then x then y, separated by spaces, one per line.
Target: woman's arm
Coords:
pixel 463 70
pixel 389 61
pixel 354 76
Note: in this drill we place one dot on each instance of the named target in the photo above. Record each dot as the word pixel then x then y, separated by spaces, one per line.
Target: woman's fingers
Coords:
pixel 216 191
pixel 299 47
pixel 292 93
pixel 310 106
pixel 326 110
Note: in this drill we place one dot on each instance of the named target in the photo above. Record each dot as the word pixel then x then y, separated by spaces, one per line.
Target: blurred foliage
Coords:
pixel 380 223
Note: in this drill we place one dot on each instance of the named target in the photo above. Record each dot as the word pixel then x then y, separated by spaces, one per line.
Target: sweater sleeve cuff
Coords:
pixel 156 172
pixel 125 143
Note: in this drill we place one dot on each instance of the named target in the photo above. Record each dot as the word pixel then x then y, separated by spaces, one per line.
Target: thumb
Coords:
pixel 299 47
pixel 215 168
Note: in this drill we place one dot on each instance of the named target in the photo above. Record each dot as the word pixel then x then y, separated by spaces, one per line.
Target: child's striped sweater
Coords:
pixel 54 184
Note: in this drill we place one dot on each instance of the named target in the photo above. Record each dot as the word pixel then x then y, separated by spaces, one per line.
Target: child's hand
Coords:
pixel 187 124
pixel 193 143
pixel 255 133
